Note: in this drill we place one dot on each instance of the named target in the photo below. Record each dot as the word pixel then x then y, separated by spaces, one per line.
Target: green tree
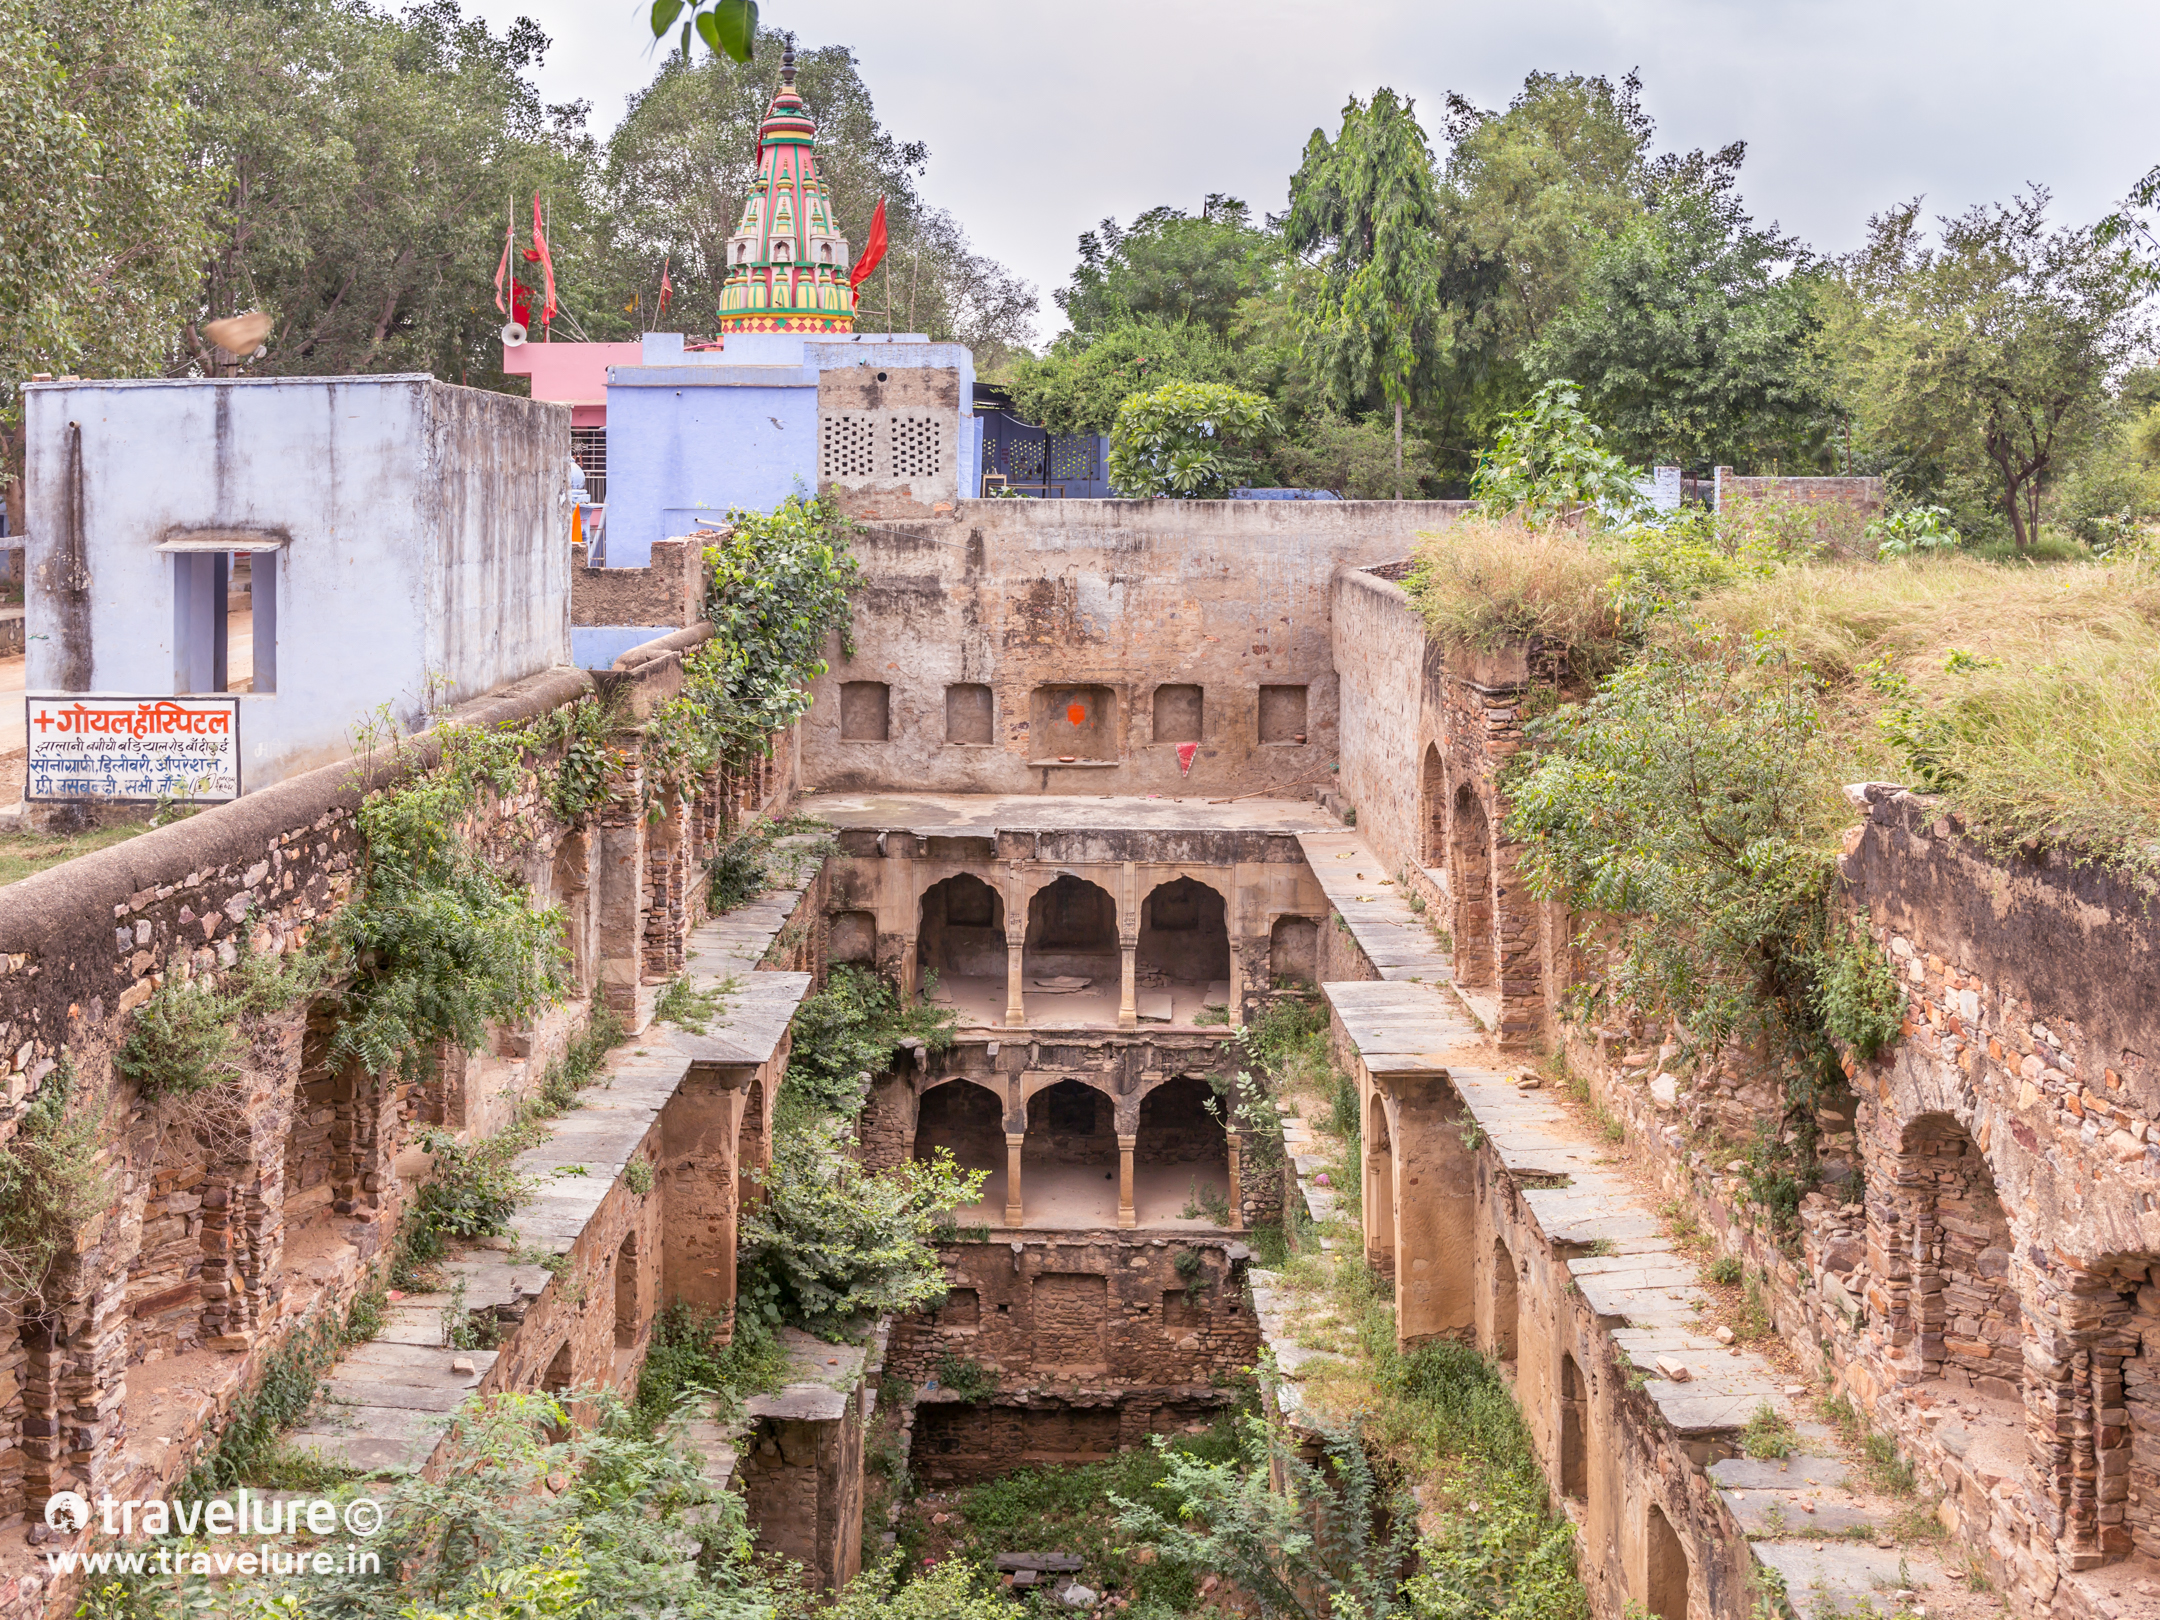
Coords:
pixel 830 1243
pixel 369 165
pixel 1989 353
pixel 1354 458
pixel 1548 465
pixel 1170 266
pixel 1689 344
pixel 101 212
pixel 1193 440
pixel 1079 384
pixel 1366 204
pixel 1530 195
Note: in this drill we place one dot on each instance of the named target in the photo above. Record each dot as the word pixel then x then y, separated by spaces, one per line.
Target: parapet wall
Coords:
pixel 980 636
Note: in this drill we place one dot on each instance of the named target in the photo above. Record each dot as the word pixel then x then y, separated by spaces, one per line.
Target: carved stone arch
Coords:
pixel 962 1114
pixel 1036 1081
pixel 1432 808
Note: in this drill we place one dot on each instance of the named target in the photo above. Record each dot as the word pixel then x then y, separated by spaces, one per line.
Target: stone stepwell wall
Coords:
pixel 1505 1222
pixel 1160 622
pixel 232 1228
pixel 1977 1269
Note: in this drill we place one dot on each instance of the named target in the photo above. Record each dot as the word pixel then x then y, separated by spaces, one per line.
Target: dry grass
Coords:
pixel 1483 585
pixel 2028 697
pixel 2040 687
pixel 22 853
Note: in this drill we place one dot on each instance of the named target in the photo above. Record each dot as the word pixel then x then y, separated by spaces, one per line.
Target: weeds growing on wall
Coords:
pixel 968 1379
pixel 685 1364
pixel 252 1449
pixel 1440 1413
pixel 52 1178
pixel 690 1008
pixel 473 1187
pixel 439 943
pixel 777 590
pixel 187 1037
pixel 848 1032
pixel 778 852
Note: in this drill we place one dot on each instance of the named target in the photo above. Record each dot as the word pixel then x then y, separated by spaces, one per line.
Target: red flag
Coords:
pixel 667 287
pixel 1185 752
pixel 547 265
pixel 873 250
pixel 503 269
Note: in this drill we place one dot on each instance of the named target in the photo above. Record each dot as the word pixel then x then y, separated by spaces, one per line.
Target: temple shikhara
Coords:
pixel 787 261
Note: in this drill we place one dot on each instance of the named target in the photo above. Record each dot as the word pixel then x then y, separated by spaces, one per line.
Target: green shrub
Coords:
pixel 847 1032
pixel 968 1379
pixel 52 1179
pixel 1187 439
pixel 179 1041
pixel 1857 993
pixel 684 1359
pixel 1546 464
pixel 186 1038
pixel 440 944
pixel 1768 1437
pixel 253 1439
pixel 1726 1270
pixel 831 1244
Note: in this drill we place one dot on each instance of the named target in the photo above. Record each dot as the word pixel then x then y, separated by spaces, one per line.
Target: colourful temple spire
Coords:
pixel 787 267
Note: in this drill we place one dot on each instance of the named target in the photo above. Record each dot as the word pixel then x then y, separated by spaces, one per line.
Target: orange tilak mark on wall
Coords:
pixel 1076 714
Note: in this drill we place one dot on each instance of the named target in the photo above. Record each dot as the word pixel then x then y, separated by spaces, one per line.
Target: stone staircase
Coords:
pixel 386 1404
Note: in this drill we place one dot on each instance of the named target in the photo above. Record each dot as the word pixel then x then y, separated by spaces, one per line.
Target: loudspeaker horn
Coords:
pixel 512 335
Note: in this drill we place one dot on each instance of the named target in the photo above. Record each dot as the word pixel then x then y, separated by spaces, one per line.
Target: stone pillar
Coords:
pixel 907 970
pixel 1012 1177
pixel 1015 1000
pixel 1435 1212
pixel 1234 927
pixel 1125 1217
pixel 1128 938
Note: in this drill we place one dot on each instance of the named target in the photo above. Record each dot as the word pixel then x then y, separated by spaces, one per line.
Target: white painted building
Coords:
pixel 405 541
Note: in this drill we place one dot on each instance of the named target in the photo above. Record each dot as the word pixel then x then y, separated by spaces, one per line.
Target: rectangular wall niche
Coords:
pixel 968 714
pixel 1177 714
pixel 1075 721
pixel 851 936
pixel 865 711
pixel 1282 714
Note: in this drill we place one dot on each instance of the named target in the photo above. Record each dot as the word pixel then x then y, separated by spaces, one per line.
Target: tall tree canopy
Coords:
pixel 367 166
pixel 1366 207
pixel 1171 266
pixel 1992 353
pixel 1691 340
pixel 101 214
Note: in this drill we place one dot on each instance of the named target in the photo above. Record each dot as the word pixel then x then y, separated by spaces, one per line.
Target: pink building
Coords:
pixel 575 374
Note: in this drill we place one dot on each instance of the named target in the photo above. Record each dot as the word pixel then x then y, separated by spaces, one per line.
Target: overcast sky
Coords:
pixel 1041 119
